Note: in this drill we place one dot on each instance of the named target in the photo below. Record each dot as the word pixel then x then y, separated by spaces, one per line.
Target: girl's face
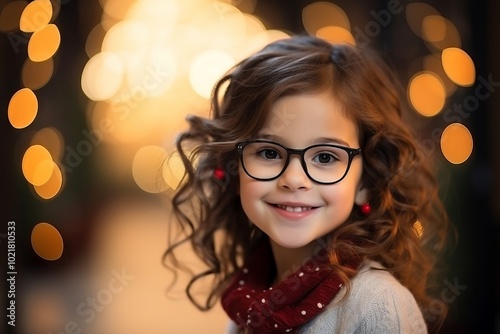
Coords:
pixel 292 209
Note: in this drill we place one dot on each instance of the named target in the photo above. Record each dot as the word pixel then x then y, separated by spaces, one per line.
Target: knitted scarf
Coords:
pixel 257 307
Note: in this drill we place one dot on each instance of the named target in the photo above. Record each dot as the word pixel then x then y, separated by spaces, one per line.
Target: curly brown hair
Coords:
pixel 407 227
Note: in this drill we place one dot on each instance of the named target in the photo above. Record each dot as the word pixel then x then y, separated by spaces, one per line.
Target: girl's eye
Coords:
pixel 325 158
pixel 269 154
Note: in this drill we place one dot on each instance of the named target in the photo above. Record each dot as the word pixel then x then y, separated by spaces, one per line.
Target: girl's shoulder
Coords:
pixel 373 280
pixel 377 303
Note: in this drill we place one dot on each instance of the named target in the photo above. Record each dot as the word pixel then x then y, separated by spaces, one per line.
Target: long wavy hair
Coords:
pixel 407 227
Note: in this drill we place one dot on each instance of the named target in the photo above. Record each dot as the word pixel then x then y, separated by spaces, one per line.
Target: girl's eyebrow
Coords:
pixel 320 140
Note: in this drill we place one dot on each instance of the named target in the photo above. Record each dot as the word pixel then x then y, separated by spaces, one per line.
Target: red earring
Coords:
pixel 365 209
pixel 219 173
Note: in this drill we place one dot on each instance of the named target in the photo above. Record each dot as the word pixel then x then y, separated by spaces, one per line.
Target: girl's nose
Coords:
pixel 294 177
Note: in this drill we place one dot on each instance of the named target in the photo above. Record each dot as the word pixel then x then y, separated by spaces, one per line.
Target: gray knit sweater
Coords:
pixel 376 304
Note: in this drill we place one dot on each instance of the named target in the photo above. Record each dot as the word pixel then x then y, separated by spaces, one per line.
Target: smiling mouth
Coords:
pixel 294 208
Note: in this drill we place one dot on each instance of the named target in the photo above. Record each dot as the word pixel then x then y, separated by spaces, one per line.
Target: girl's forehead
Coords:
pixel 308 118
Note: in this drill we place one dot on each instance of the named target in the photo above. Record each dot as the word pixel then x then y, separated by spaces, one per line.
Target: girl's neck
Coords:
pixel 288 260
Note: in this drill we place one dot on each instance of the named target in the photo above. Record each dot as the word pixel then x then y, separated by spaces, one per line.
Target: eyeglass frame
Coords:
pixel 352 153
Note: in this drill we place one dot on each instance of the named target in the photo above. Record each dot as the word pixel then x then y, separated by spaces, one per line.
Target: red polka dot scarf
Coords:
pixel 256 307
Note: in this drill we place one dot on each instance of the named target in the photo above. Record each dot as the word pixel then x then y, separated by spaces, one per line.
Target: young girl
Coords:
pixel 308 197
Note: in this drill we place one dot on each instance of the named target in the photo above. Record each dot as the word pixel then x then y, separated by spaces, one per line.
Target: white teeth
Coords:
pixel 294 208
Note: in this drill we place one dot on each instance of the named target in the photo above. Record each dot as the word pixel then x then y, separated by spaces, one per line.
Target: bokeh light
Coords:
pixel 259 40
pixel 207 68
pixel 51 139
pixel 44 43
pixel 218 25
pixel 35 75
pixel 11 15
pixel 47 242
pixel 102 76
pixel 432 63
pixel 427 93
pixel 53 186
pixel 153 62
pixel 153 75
pixel 456 143
pixel 434 28
pixel 458 66
pixel 416 13
pixel 433 37
pixel 253 25
pixel 158 15
pixel 117 9
pixel 321 14
pixel 23 108
pixel 94 40
pixel 37 165
pixel 147 168
pixel 127 39
pixel 36 15
pixel 173 170
pixel 336 35
pixel 437 31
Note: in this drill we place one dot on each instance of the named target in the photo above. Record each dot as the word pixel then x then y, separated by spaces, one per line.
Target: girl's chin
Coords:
pixel 292 243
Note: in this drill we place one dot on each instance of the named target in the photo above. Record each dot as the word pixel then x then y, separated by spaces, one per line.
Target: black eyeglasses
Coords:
pixel 265 160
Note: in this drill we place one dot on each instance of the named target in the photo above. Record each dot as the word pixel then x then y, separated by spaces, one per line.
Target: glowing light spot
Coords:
pixel 126 39
pixel 416 14
pixel 36 15
pixel 434 28
pixel 432 63
pixel 253 25
pixel 322 14
pixel 157 14
pixel 154 75
pixel 458 66
pixel 427 94
pixel 53 185
pixel 37 165
pixel 117 9
pixel 451 38
pixel 247 6
pixel 44 43
pixel 207 68
pixel 94 40
pixel 173 170
pixel 23 108
pixel 336 35
pixel 11 15
pixel 51 139
pixel 147 168
pixel 36 74
pixel 219 25
pixel 102 76
pixel 259 40
pixel 47 242
pixel 456 143
pixel 437 31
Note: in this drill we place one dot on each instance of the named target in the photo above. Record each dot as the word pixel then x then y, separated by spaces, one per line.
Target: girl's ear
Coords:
pixel 361 196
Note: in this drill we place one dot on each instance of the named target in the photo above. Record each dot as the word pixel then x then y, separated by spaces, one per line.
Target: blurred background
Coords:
pixel 94 92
